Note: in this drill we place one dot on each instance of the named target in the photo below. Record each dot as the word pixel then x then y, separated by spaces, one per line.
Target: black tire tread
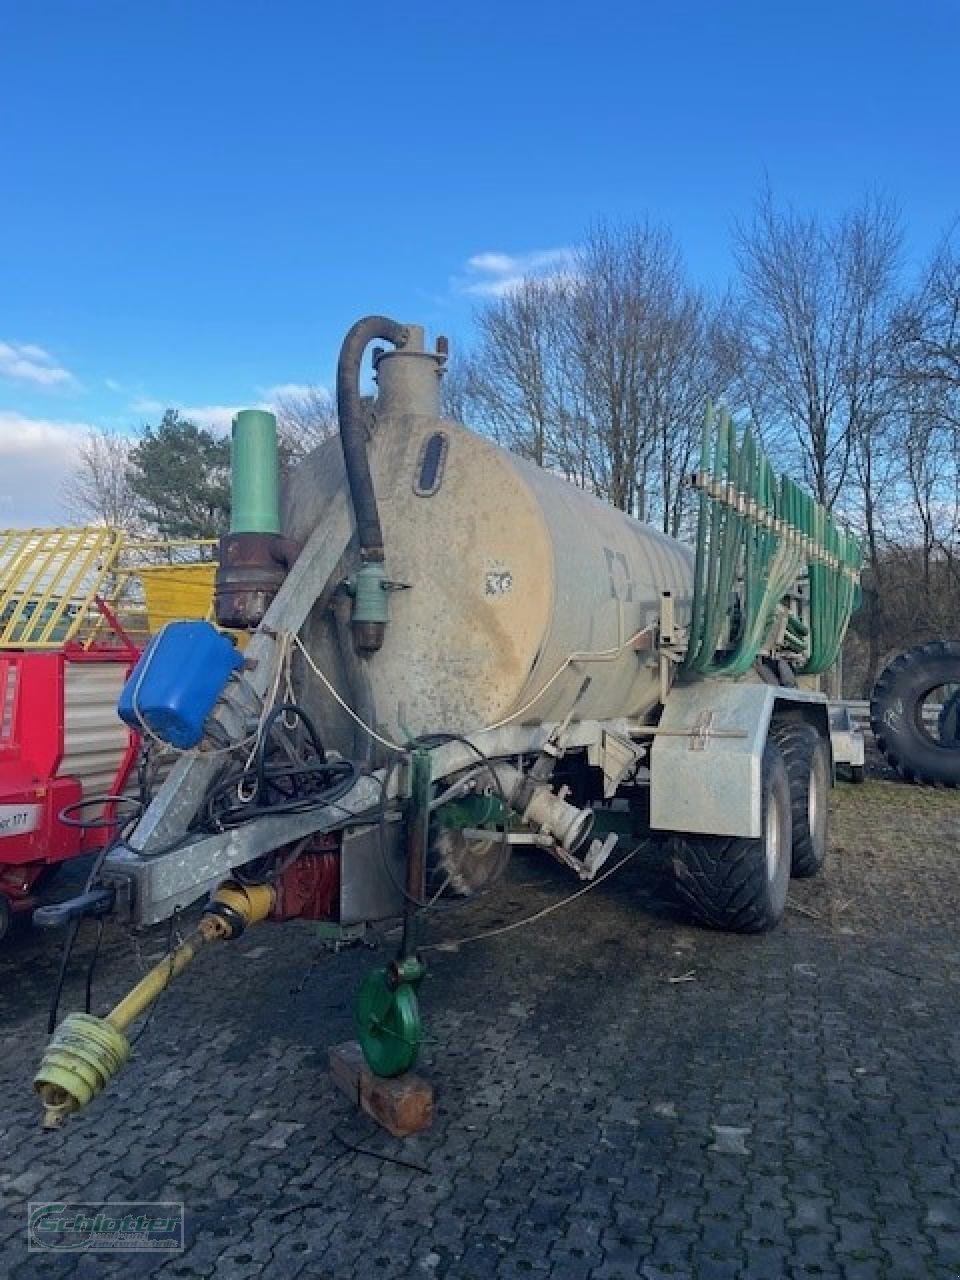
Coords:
pixel 887 687
pixel 798 740
pixel 721 880
pixel 714 878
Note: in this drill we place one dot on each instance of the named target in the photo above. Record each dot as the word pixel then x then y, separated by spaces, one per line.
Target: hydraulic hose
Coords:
pixel 353 439
pixel 358 680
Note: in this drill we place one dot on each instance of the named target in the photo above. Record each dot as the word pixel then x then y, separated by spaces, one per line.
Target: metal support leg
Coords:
pixel 388 1012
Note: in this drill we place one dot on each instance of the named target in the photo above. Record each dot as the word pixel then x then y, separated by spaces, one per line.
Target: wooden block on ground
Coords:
pixel 402 1104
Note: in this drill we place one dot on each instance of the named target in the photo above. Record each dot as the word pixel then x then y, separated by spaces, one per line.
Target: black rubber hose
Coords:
pixel 353 439
pixel 358 680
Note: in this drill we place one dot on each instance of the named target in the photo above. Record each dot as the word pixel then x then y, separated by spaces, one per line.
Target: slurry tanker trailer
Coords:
pixel 454 652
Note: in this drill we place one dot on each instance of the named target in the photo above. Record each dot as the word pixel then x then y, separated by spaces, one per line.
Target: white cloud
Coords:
pixel 493 274
pixel 146 405
pixel 214 417
pixel 26 362
pixel 219 417
pixel 291 391
pixel 37 457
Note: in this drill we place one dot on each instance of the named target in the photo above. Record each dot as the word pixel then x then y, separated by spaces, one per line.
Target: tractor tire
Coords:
pixel 896 714
pixel 948 723
pixel 738 884
pixel 807 758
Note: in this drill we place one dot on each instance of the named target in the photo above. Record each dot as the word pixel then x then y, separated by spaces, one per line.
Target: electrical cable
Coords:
pixel 537 915
pixel 597 655
pixel 486 765
pixel 91 967
pixel 401 889
pixel 379 1155
pixel 73 927
pixel 385 742
pixel 331 778
pixel 166 986
pixel 66 814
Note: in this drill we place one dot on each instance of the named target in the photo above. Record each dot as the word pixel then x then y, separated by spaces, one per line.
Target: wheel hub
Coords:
pixel 771 841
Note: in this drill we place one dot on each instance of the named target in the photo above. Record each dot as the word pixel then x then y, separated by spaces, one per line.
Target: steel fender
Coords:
pixel 706 766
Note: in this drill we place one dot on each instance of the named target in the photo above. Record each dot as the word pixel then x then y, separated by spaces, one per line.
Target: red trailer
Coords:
pixel 60 740
pixel 74 616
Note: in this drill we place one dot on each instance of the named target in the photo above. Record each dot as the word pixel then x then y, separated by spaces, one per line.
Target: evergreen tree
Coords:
pixel 180 474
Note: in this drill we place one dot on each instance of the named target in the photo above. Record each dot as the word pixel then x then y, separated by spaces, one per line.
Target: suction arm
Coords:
pixel 352 435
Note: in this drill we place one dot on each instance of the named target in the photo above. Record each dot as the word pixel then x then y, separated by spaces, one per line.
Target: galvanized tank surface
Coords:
pixel 509 569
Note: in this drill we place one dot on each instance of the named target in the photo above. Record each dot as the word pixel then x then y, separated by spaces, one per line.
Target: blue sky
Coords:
pixel 198 196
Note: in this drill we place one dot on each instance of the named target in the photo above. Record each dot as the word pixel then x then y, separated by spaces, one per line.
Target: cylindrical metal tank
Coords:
pixel 508 571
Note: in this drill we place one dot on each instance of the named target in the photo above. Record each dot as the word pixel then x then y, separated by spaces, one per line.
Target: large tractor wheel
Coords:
pixel 738 884
pixel 949 721
pixel 807 758
pixel 897 720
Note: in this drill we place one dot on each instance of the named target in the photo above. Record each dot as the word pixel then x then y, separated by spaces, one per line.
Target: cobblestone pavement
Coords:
pixel 619 1094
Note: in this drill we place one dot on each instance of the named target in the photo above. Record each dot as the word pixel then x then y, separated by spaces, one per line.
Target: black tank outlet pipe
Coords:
pixel 353 439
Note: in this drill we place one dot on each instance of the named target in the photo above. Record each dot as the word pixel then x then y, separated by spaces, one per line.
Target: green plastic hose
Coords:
pixel 758 536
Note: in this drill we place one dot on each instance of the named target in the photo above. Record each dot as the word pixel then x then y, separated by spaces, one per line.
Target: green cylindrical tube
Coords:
pixel 255 473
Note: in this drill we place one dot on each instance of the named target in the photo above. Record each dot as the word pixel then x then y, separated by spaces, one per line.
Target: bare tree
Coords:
pixel 816 302
pixel 455 400
pixel 928 334
pixel 305 418
pixel 625 284
pixel 98 491
pixel 602 373
pixel 515 382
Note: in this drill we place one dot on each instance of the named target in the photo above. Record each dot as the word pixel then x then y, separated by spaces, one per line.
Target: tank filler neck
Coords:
pixel 408 378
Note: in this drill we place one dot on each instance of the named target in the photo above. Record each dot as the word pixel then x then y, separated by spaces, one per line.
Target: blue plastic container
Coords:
pixel 179 677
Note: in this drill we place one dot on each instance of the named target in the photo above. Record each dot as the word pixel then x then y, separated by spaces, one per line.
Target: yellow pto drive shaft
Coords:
pixel 86 1052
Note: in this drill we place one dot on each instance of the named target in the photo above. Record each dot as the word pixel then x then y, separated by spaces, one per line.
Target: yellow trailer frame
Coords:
pixel 53 582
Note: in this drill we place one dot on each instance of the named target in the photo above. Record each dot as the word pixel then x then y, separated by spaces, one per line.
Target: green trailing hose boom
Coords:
pixel 759 537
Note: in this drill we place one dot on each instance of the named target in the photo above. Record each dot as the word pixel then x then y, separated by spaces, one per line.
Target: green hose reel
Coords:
pixel 388 1017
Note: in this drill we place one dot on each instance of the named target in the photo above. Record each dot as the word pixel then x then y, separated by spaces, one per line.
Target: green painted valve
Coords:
pixel 368 586
pixel 388 1018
